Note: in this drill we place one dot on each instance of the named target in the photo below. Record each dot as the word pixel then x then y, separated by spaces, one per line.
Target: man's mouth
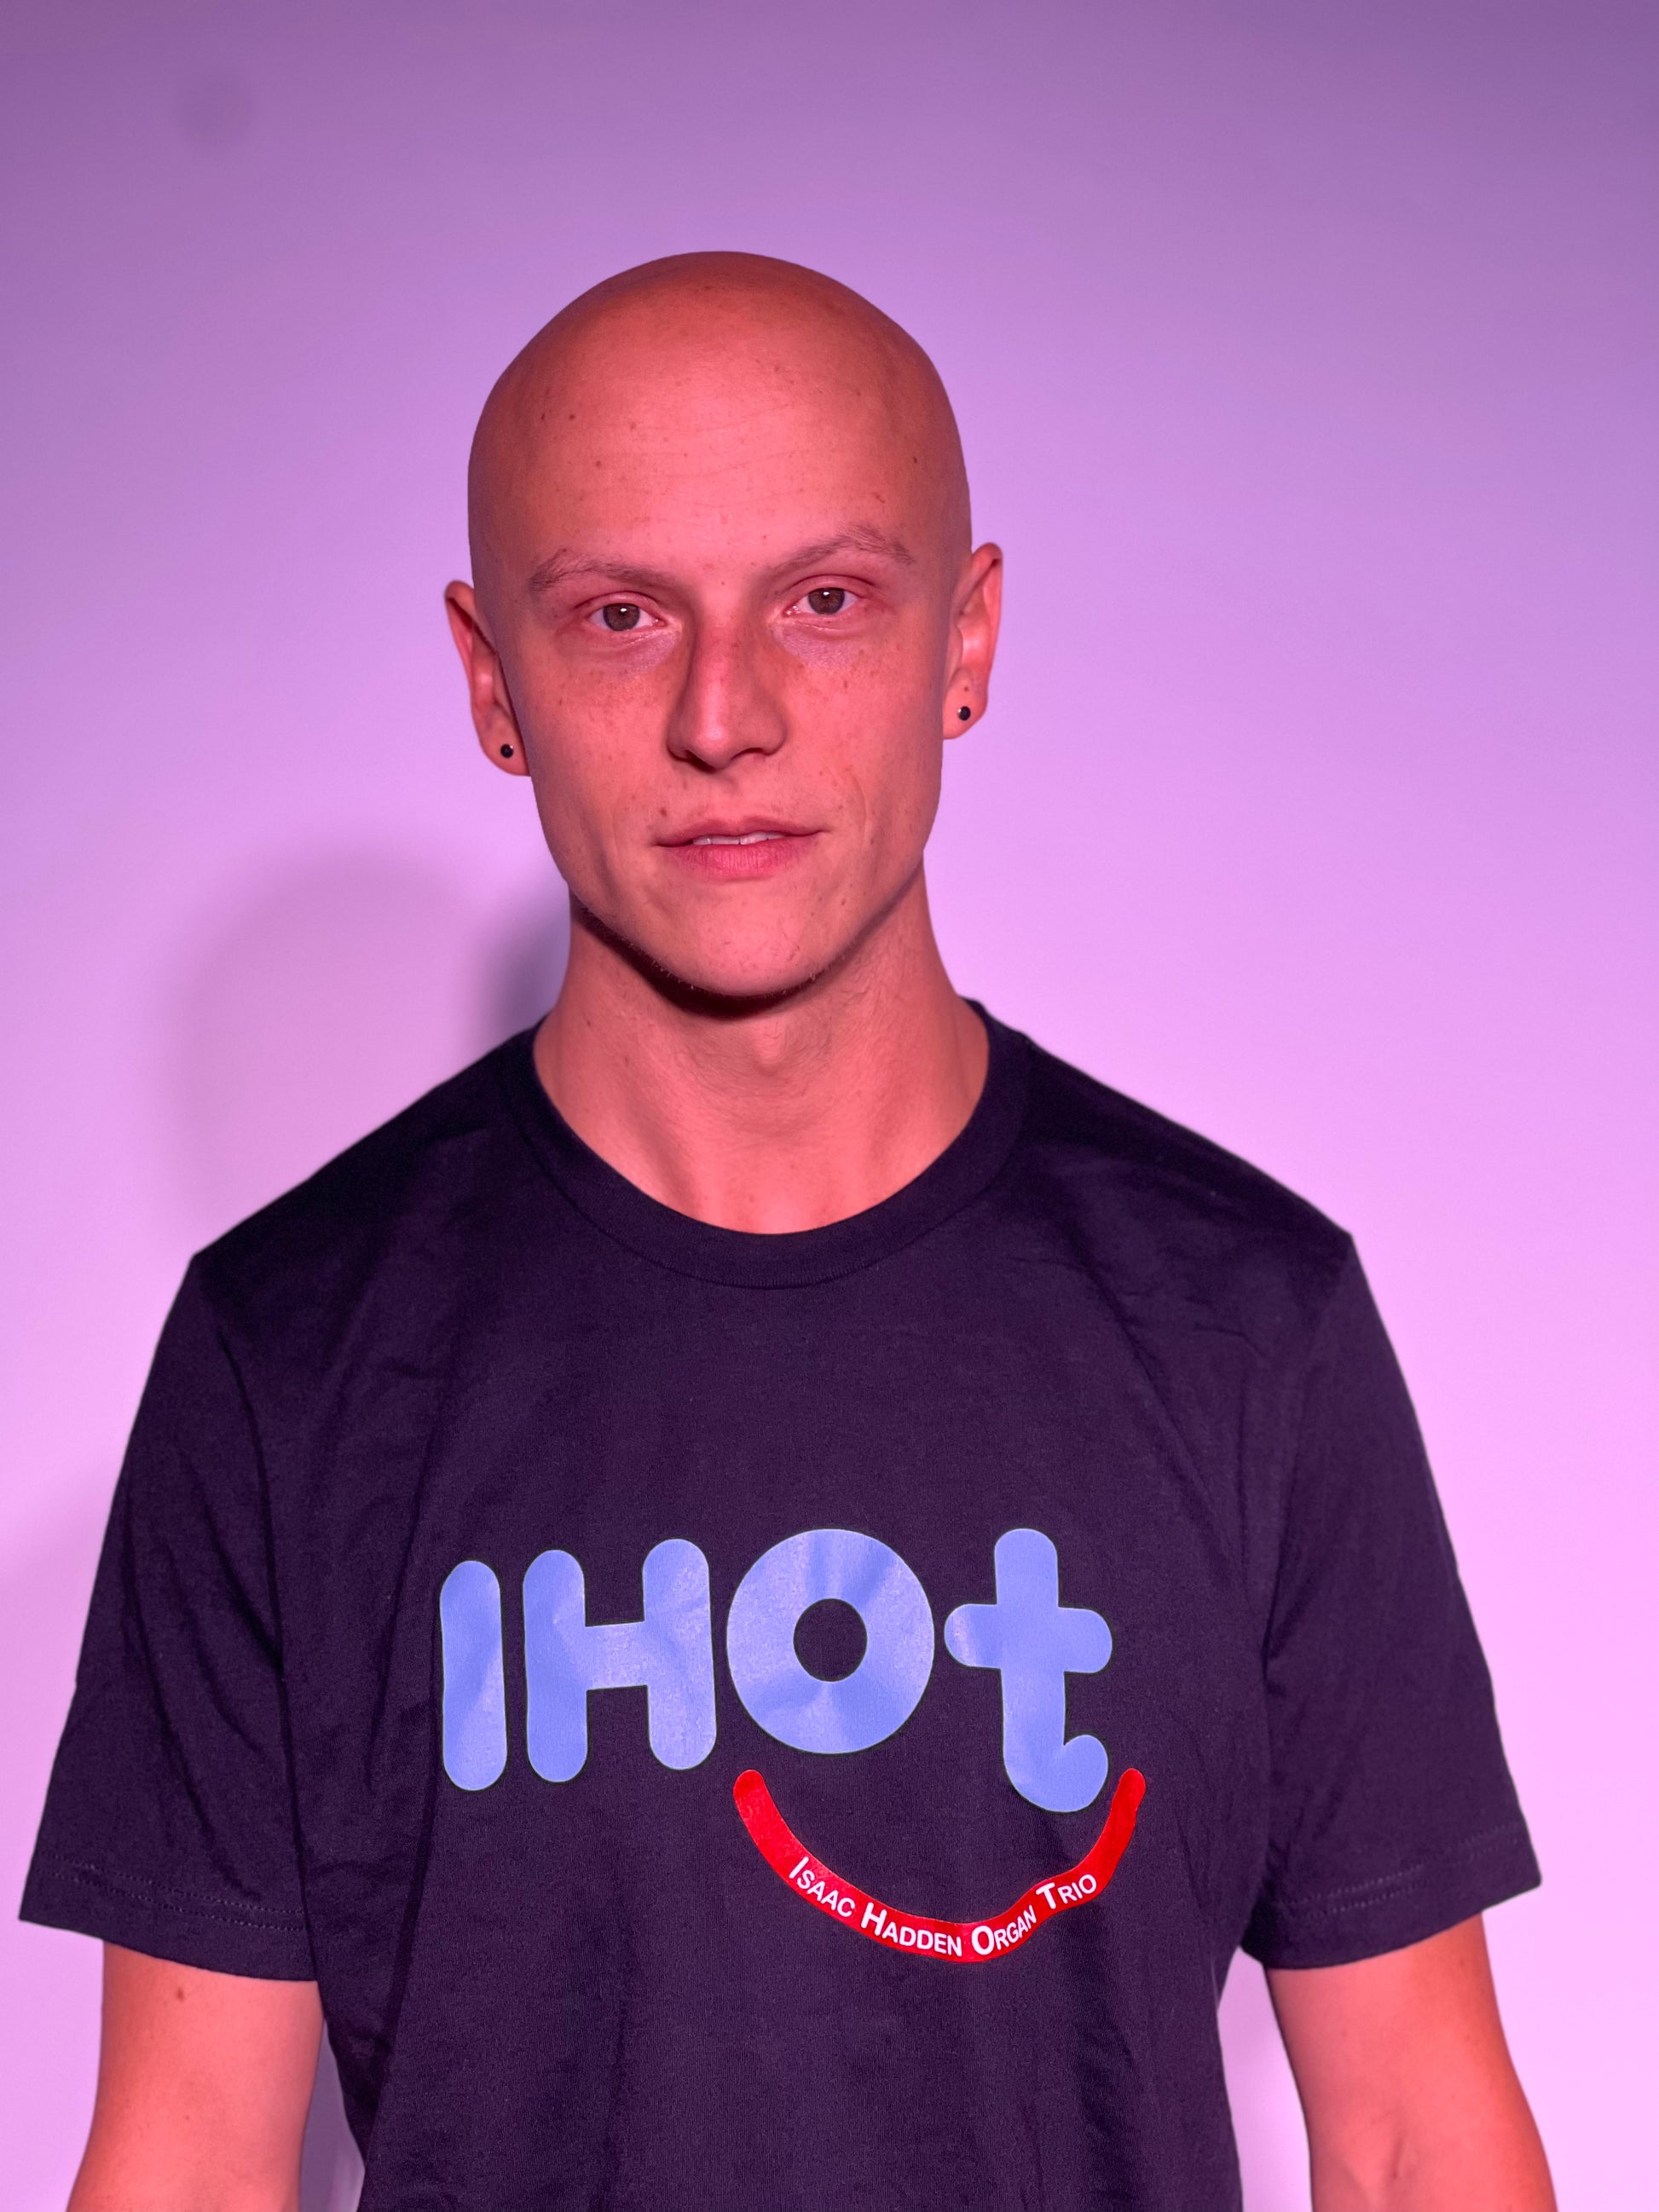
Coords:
pixel 738 852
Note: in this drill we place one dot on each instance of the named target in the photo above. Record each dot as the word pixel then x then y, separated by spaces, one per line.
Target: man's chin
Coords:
pixel 719 974
pixel 733 989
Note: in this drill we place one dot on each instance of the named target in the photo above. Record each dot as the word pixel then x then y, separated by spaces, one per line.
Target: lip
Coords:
pixel 739 848
pixel 736 825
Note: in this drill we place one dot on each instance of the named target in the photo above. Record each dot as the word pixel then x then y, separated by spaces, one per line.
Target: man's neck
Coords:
pixel 813 1109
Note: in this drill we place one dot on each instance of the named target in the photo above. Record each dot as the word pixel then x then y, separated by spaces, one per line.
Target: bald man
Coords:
pixel 753 1599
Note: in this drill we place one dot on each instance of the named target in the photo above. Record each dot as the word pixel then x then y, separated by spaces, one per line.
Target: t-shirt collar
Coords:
pixel 795 1257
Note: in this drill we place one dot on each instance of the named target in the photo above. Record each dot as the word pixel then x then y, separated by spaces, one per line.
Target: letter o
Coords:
pixel 1087 1884
pixel 982 1950
pixel 882 1692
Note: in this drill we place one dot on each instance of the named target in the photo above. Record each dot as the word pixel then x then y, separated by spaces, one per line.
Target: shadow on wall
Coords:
pixel 331 2170
pixel 325 1001
pixel 318 1004
pixel 48 2020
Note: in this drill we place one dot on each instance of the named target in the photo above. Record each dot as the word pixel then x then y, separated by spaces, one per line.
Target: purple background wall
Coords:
pixel 1305 356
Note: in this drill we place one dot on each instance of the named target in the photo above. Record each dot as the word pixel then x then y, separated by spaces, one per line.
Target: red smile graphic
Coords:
pixel 965 1941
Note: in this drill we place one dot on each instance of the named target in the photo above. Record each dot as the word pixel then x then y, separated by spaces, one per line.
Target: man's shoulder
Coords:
pixel 403 1192
pixel 1156 1205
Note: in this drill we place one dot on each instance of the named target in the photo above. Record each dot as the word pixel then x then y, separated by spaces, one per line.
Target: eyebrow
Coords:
pixel 862 537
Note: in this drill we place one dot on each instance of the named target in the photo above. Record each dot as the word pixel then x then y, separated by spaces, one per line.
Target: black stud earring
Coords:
pixel 964 714
pixel 507 752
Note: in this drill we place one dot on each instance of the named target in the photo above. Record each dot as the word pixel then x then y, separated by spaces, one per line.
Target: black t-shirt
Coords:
pixel 802 1721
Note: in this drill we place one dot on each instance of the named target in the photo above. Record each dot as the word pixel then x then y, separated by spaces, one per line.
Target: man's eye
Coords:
pixel 621 614
pixel 829 599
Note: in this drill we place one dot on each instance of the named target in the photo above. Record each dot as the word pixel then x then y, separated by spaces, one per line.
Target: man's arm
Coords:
pixel 1412 2102
pixel 204 2085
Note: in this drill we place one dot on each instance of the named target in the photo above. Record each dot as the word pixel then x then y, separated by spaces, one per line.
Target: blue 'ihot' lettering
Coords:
pixel 475 1690
pixel 1027 1635
pixel 1035 1642
pixel 670 1653
pixel 882 1692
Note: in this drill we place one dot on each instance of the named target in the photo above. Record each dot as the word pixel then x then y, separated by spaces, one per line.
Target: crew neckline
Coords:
pixel 742 1258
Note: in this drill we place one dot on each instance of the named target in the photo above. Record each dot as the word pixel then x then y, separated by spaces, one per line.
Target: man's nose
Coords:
pixel 725 706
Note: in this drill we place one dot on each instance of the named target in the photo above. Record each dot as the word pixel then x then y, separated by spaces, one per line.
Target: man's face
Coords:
pixel 735 627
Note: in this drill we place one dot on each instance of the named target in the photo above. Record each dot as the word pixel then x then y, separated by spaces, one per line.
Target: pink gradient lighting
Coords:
pixel 1306 358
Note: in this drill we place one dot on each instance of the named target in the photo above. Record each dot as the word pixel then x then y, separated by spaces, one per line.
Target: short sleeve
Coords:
pixel 169 1822
pixel 1393 1814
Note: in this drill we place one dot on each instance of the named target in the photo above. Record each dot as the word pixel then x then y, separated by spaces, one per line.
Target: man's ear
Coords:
pixel 974 623
pixel 493 717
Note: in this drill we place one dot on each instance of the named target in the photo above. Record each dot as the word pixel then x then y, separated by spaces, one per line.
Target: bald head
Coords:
pixel 723 366
pixel 724 614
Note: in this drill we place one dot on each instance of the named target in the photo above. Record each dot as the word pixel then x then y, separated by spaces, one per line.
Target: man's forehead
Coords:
pixel 636 495
pixel 733 388
pixel 714 404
